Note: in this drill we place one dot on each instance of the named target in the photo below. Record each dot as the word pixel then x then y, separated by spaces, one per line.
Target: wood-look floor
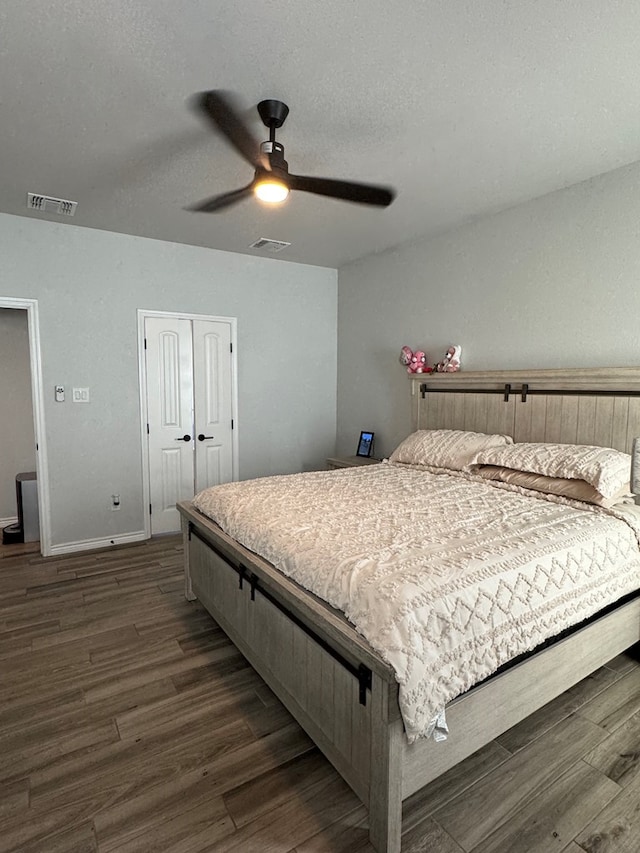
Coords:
pixel 128 722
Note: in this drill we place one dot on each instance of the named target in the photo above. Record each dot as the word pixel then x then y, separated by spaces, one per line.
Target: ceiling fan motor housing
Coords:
pixel 275 152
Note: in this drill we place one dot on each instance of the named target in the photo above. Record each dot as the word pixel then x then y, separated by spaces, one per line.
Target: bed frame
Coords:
pixel 337 687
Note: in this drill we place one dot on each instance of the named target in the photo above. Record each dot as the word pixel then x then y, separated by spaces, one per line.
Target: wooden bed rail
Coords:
pixel 361 672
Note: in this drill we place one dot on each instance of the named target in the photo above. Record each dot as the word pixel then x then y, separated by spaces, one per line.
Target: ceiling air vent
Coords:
pixel 48 204
pixel 271 246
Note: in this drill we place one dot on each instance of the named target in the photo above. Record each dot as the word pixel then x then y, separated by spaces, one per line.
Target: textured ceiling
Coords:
pixel 465 107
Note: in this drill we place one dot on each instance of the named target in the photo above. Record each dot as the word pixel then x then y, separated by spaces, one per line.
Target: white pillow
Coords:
pixel 445 448
pixel 604 468
pixel 579 490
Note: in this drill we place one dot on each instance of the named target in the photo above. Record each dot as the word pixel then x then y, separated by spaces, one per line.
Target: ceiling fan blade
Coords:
pixel 219 109
pixel 345 190
pixel 220 202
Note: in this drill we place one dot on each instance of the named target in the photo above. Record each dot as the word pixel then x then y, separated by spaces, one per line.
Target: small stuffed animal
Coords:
pixel 415 362
pixel 418 362
pixel 406 354
pixel 451 361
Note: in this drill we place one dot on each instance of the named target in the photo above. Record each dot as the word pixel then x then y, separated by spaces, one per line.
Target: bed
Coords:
pixel 334 682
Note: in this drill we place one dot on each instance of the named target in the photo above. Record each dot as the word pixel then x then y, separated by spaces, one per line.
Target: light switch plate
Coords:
pixel 80 395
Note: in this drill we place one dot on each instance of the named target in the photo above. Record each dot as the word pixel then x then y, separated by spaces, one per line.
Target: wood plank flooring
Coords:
pixel 129 723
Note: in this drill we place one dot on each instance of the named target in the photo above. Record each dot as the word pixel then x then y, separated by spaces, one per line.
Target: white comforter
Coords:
pixel 446 575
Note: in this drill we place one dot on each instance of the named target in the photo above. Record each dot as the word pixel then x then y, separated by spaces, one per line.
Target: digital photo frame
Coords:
pixel 365 445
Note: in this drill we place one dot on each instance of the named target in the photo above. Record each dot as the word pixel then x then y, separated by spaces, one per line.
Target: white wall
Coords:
pixel 89 285
pixel 16 409
pixel 551 283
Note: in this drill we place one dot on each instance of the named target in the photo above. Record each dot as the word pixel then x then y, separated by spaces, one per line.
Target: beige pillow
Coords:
pixel 579 490
pixel 445 448
pixel 604 468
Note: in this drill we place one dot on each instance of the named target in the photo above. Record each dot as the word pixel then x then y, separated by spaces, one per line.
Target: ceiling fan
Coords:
pixel 272 180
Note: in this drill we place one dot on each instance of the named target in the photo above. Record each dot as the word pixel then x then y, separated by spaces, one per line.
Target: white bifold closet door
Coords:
pixel 189 412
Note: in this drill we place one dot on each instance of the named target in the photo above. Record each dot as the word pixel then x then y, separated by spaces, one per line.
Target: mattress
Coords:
pixel 448 576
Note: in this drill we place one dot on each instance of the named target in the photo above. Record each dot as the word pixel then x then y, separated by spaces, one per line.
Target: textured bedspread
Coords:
pixel 448 577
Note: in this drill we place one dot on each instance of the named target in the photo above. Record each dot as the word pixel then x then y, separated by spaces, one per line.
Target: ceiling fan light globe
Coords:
pixel 271 191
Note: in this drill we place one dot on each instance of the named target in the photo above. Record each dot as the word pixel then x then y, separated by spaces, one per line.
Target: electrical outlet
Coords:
pixel 115 502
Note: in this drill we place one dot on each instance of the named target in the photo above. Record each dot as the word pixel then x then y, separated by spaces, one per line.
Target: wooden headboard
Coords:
pixel 598 406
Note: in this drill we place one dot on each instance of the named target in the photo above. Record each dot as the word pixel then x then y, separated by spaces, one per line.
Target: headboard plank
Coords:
pixel 569 420
pixel 481 413
pixel 586 420
pixel 458 408
pixel 501 414
pixel 620 435
pixel 601 405
pixel 604 420
pixel 561 424
pixel 633 426
pixel 553 422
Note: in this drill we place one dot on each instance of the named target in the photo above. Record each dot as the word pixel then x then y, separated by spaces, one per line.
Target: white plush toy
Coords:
pixel 451 361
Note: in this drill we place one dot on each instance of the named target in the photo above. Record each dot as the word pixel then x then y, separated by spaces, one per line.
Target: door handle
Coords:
pixel 184 438
pixel 203 437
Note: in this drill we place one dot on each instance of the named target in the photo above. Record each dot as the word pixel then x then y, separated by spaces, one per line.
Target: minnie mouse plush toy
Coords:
pixel 415 362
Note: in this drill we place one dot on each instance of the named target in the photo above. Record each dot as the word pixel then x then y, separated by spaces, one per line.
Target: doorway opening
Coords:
pixel 37 415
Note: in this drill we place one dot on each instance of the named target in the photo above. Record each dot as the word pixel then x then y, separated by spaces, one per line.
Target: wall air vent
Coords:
pixel 271 246
pixel 48 204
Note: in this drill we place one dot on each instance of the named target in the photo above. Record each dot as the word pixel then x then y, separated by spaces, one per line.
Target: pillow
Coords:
pixel 445 448
pixel 604 468
pixel 579 490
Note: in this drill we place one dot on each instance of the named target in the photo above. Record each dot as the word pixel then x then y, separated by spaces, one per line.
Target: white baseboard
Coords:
pixel 94 544
pixel 4 522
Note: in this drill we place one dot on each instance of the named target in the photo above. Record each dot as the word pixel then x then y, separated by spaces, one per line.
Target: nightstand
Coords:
pixel 350 461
